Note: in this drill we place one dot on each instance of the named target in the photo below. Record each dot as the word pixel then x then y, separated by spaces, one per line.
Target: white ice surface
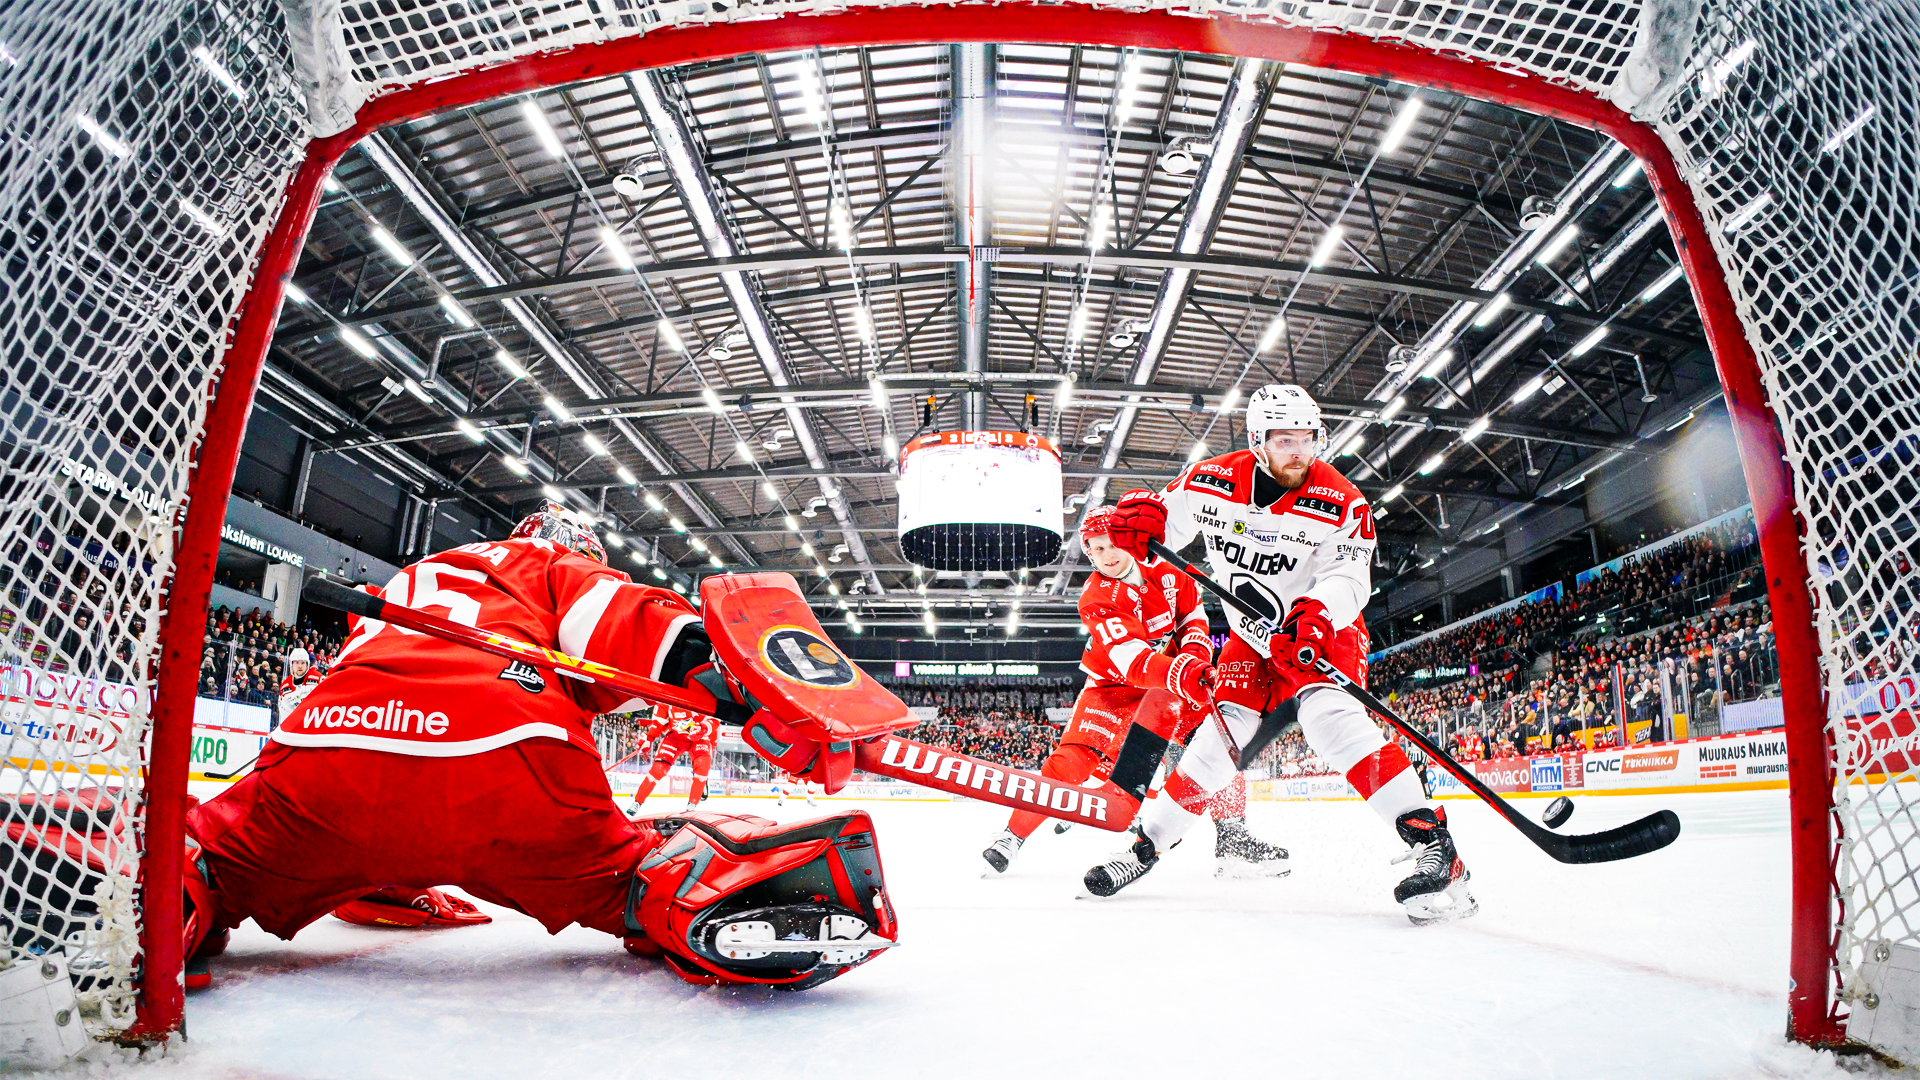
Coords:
pixel 1670 965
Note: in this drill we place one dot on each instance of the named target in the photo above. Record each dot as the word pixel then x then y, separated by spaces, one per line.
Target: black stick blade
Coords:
pixel 1139 756
pixel 1650 833
pixel 1272 726
pixel 328 594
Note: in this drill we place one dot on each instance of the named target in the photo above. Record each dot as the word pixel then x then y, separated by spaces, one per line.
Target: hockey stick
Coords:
pixel 1272 723
pixel 1110 806
pixel 1650 833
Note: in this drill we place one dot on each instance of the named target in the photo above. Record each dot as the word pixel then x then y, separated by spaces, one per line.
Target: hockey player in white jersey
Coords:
pixel 1286 532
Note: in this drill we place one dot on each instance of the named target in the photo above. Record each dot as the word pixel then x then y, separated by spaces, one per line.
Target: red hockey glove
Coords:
pixel 1139 517
pixel 1305 635
pixel 1191 678
pixel 1195 642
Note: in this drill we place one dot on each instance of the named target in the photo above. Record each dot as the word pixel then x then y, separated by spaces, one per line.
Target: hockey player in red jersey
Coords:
pixel 683 731
pixel 1285 531
pixel 420 762
pixel 301 677
pixel 1148 661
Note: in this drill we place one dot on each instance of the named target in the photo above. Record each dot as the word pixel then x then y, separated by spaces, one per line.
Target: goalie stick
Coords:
pixel 1111 806
pixel 1650 833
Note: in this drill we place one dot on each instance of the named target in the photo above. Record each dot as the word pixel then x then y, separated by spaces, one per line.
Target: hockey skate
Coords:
pixel 1060 827
pixel 1125 868
pixel 1237 853
pixel 1000 853
pixel 1436 891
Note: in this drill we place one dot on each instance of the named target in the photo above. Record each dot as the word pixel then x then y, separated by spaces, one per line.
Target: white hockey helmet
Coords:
pixel 299 656
pixel 1283 407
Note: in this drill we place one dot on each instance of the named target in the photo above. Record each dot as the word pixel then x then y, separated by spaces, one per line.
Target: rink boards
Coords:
pixel 1750 761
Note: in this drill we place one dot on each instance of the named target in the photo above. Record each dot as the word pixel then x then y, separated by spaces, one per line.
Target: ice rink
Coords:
pixel 1671 965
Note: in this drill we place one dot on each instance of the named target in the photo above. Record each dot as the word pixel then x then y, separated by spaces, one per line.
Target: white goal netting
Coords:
pixel 146 145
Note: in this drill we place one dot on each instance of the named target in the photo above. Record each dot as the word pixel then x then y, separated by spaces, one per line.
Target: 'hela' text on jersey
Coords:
pixel 1270 547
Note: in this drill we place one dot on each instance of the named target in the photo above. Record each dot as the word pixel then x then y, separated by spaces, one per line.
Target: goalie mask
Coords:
pixel 1283 407
pixel 569 529
pixel 729 898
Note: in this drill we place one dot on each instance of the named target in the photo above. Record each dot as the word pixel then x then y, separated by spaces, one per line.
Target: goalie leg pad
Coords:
pixel 731 898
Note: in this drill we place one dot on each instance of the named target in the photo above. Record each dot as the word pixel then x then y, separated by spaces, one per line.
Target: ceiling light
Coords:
pixel 712 399
pixel 202 218
pixel 697 544
pixel 678 525
pixel 1402 124
pixel 1394 492
pixel 555 407
pixel 879 391
pixel 1230 399
pixel 1102 225
pixel 766 488
pixel 1439 366
pixel 505 359
pixel 473 434
pixel 1492 310
pixel 1553 385
pixel 616 247
pixel 1077 325
pixel 1714 79
pixel 455 312
pixel 1746 215
pixel 518 467
pixel 1851 129
pixel 552 492
pixel 714 561
pixel 358 340
pixel 670 335
pixel 220 73
pixel 614 539
pixel 593 444
pixel 892 448
pixel 1276 330
pixel 1557 245
pixel 740 447
pixel 295 293
pixel 1586 343
pixel 331 185
pixel 107 142
pixel 1325 248
pixel 1393 408
pixel 806 549
pixel 863 322
pixel 1199 451
pixel 542 130
pixel 1432 463
pixel 419 392
pixel 1352 445
pixel 392 245
pixel 626 476
pixel 1625 176
pixel 1663 282
pixel 654 504
pixel 1529 388
pixel 791 524
pixel 1476 429
pixel 1063 394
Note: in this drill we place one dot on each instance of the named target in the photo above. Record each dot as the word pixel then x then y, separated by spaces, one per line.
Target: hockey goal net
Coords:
pixel 162 160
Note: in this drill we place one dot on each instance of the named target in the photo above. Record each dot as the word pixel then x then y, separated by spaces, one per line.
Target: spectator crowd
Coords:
pixel 245 654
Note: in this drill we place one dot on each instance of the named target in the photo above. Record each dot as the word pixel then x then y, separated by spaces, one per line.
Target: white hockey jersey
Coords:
pixel 1269 546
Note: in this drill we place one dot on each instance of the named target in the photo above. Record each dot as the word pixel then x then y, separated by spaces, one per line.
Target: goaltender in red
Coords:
pixel 359 789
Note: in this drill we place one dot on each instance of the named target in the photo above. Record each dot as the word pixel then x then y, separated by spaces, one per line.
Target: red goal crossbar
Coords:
pixel 1813 1013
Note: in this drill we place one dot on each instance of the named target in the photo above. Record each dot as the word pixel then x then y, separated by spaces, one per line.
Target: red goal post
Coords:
pixel 388 62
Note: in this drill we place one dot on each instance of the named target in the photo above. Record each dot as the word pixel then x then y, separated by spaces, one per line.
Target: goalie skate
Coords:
pixel 1237 853
pixel 1436 892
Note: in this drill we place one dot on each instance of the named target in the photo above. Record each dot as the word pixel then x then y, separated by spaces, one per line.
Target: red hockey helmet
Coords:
pixel 568 528
pixel 1098 522
pixel 729 898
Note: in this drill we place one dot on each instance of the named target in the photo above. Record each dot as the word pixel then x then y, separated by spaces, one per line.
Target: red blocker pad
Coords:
pixel 1105 807
pixel 765 633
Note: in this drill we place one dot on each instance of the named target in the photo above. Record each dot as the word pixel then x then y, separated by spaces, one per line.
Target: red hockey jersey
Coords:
pixel 687 727
pixel 399 691
pixel 1131 620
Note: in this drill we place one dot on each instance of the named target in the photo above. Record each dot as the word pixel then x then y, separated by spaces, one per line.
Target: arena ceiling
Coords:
pixel 711 300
